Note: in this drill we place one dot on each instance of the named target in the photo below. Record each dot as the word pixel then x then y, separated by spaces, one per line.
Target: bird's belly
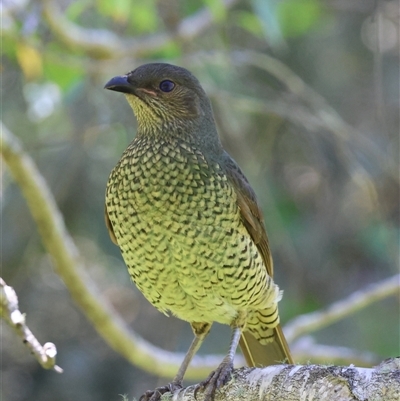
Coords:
pixel 198 272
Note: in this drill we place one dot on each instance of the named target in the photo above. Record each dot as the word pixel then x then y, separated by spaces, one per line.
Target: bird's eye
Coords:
pixel 167 85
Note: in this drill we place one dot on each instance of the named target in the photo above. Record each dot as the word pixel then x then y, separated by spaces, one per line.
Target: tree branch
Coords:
pixel 310 382
pixel 307 349
pixel 102 43
pixel 70 266
pixel 9 311
pixel 358 300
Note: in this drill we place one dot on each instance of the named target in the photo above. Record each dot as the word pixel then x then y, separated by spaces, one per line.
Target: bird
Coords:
pixel 189 226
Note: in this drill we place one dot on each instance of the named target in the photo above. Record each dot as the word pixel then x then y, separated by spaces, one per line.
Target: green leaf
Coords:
pixel 249 22
pixel 8 47
pixel 76 8
pixel 63 74
pixel 118 10
pixel 169 51
pixel 266 13
pixel 217 9
pixel 297 17
pixel 144 17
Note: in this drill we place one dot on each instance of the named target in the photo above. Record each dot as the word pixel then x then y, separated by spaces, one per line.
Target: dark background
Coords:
pixel 322 158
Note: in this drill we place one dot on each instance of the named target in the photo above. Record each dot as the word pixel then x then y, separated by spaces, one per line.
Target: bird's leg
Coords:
pixel 200 331
pixel 222 374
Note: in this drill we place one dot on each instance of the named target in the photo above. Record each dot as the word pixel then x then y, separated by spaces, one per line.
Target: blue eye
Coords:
pixel 167 85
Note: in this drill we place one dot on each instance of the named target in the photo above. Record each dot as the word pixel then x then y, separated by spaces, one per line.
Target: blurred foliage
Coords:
pixel 330 192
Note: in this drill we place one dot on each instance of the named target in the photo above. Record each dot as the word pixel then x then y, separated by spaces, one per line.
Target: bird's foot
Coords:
pixel 215 380
pixel 155 395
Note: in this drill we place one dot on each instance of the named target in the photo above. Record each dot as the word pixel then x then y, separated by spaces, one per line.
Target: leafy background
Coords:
pixel 319 143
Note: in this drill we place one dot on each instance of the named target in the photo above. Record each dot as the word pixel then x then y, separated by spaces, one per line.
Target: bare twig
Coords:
pixel 306 349
pixel 306 108
pixel 70 267
pixel 9 311
pixel 358 300
pixel 102 43
pixel 322 110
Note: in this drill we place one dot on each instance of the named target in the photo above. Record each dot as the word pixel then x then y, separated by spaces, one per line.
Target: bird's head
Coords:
pixel 164 98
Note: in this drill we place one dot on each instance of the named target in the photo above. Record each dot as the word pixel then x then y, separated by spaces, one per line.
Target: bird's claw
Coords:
pixel 214 381
pixel 155 395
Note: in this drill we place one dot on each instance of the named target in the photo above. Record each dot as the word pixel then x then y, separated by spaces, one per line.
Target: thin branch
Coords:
pixel 358 300
pixel 323 111
pixel 306 349
pixel 70 266
pixel 102 43
pixel 306 108
pixel 9 311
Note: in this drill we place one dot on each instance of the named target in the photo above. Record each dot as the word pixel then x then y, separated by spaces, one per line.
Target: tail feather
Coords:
pixel 273 353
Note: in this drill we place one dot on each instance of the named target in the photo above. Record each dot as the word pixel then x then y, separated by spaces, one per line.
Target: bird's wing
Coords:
pixel 110 227
pixel 277 350
pixel 250 211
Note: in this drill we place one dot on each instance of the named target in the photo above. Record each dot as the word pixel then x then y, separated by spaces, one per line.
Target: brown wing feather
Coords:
pixel 276 351
pixel 250 211
pixel 110 227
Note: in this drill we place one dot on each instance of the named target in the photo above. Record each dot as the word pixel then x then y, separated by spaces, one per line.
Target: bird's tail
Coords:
pixel 272 353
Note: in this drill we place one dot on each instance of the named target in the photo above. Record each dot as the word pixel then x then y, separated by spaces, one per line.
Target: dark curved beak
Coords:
pixel 120 84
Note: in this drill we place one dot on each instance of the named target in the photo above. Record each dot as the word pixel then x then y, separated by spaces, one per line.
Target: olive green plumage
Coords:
pixel 184 216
